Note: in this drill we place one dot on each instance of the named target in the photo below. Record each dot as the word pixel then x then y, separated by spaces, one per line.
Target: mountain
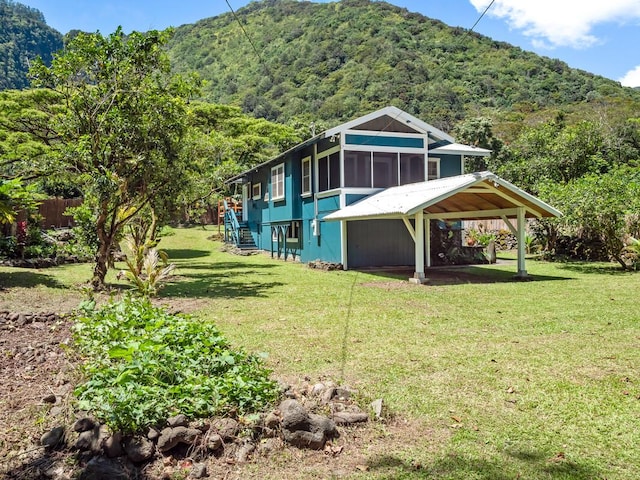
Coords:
pixel 24 35
pixel 286 59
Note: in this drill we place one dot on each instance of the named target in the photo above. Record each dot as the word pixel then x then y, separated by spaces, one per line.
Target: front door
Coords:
pixel 245 202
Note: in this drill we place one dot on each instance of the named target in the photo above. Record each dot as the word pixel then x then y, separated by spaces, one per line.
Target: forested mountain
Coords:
pixel 24 35
pixel 289 60
pixel 333 61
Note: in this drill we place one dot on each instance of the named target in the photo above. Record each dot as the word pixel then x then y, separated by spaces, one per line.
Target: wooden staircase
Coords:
pixel 235 232
pixel 245 240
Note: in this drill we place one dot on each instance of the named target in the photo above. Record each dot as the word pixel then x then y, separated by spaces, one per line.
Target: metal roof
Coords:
pixel 460 149
pixel 471 196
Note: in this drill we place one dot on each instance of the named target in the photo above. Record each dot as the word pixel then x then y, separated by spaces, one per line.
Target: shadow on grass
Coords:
pixel 185 253
pixel 458 466
pixel 27 279
pixel 220 280
pixel 595 268
pixel 458 275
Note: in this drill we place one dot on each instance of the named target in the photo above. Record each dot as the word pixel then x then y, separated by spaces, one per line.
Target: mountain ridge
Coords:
pixel 333 61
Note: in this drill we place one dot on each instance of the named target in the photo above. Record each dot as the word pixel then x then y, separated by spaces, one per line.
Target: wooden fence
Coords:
pixel 52 211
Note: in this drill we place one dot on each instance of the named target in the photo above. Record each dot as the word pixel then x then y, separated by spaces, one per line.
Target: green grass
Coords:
pixel 500 379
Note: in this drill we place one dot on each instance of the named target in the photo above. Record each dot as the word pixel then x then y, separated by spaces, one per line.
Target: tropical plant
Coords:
pixel 143 365
pixel 598 206
pixel 147 269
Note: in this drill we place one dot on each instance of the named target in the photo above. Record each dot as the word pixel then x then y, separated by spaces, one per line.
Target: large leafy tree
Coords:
pixel 603 206
pixel 121 127
pixel 222 142
pixel 14 195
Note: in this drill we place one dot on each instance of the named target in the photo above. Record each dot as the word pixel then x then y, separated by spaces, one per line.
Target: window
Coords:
pixel 411 168
pixel 277 182
pixel 306 176
pixel 329 172
pixel 256 191
pixel 293 233
pixel 385 169
pixel 433 169
pixel 357 169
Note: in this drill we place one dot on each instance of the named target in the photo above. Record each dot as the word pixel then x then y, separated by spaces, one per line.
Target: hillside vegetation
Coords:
pixel 24 35
pixel 335 61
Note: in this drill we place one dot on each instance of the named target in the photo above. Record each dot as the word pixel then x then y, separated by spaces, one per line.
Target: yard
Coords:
pixel 480 376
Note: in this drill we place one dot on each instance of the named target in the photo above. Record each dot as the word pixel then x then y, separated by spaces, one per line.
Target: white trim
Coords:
pixel 348 191
pixel 276 198
pixel 435 160
pixel 326 153
pixel 308 161
pixel 397 114
pixel 344 252
pixel 254 195
pixel 497 213
pixel 245 202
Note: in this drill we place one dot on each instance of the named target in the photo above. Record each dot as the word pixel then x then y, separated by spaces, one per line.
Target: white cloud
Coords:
pixel 561 23
pixel 632 78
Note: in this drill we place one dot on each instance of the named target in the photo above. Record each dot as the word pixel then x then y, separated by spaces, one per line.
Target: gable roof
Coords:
pixel 390 119
pixel 394 114
pixel 471 196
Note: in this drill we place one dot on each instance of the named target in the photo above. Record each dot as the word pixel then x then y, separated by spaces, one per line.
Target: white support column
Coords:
pixel 418 276
pixel 427 239
pixel 344 251
pixel 522 272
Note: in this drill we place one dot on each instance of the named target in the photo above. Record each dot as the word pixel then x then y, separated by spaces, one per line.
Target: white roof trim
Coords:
pixel 396 113
pixel 461 149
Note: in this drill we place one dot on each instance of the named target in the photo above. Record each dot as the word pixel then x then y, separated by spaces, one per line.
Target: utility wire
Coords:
pixel 246 34
pixel 480 17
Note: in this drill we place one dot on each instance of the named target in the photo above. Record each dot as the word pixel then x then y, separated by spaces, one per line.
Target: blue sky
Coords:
pixel 599 36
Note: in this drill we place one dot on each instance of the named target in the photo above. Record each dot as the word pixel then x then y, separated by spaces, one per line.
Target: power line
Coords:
pixel 480 17
pixel 246 34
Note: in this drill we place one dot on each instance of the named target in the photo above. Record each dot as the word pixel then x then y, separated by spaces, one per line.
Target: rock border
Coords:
pixel 308 417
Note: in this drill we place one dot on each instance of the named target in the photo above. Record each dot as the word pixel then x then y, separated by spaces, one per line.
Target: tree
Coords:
pixel 479 133
pixel 222 142
pixel 15 196
pixel 604 206
pixel 121 129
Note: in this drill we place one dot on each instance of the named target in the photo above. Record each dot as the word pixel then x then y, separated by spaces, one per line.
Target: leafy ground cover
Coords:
pixel 481 377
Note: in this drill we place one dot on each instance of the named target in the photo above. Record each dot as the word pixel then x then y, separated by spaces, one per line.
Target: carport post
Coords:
pixel 418 276
pixel 427 239
pixel 522 272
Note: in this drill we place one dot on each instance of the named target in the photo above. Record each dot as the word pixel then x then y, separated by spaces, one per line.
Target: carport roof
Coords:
pixel 469 197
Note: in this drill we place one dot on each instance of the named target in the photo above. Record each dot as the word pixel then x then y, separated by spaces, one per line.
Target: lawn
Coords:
pixel 493 379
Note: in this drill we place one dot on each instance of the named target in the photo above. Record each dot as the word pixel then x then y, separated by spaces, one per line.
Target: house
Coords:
pixel 364 193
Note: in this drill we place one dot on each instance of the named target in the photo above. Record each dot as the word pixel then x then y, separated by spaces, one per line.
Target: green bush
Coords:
pixel 143 365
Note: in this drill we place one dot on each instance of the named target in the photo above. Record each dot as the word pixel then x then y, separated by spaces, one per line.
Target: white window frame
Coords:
pixel 306 188
pixel 293 233
pixel 277 182
pixel 256 193
pixel 437 162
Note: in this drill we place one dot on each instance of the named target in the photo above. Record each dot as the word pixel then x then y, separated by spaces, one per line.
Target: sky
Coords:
pixel 599 36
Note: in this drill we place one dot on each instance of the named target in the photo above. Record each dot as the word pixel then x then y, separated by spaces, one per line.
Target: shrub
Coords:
pixel 144 364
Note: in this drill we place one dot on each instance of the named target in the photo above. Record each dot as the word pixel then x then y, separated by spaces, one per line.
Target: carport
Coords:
pixel 472 196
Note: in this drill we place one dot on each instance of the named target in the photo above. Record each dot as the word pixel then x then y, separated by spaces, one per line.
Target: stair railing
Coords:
pixel 231 225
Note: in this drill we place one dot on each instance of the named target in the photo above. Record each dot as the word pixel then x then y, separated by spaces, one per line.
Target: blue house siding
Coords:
pixel 384 141
pixel 450 165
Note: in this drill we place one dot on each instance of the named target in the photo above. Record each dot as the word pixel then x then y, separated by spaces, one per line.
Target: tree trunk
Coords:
pixel 105 239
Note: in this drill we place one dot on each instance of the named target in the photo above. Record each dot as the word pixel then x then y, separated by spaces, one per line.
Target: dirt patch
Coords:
pixel 38 372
